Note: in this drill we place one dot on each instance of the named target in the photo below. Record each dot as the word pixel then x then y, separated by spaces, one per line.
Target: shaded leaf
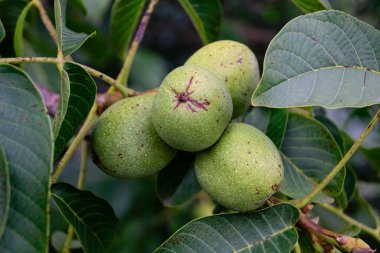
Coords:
pixel 124 19
pixel 270 121
pixel 2 31
pixel 93 218
pixel 177 182
pixel 327 59
pixel 25 134
pixel 312 5
pixel 58 239
pixel 309 153
pixel 68 40
pixel 372 156
pixel 80 4
pixel 9 13
pixel 5 190
pixel 268 230
pixel 206 17
pixel 18 34
pixel 77 97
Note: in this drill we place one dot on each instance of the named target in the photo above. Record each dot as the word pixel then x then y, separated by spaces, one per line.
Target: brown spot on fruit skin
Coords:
pixel 275 187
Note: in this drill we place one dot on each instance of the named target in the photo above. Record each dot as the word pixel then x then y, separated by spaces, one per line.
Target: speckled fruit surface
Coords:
pixel 236 65
pixel 242 170
pixel 125 143
pixel 191 109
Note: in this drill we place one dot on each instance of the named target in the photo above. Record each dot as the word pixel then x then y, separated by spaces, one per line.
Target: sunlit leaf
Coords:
pixel 206 17
pixel 326 58
pixel 124 19
pixel 25 134
pixel 93 218
pixel 77 97
pixel 268 230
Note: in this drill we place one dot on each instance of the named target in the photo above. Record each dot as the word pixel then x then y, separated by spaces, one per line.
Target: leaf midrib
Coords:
pixel 316 70
pixel 265 239
pixel 80 220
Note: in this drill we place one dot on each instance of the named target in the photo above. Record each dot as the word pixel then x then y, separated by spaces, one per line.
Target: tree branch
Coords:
pixel 326 237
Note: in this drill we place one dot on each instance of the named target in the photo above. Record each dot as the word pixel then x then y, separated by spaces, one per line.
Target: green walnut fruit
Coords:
pixel 242 170
pixel 125 143
pixel 236 65
pixel 191 109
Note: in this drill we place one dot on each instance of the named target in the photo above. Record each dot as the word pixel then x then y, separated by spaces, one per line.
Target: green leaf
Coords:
pixel 80 4
pixel 25 134
pixel 2 31
pixel 312 5
pixel 93 219
pixel 206 17
pixel 18 35
pixel 268 230
pixel 9 13
pixel 177 183
pixel 68 40
pixel 5 190
pixel 124 19
pixel 372 156
pixel 327 59
pixel 270 121
pixel 77 97
pixel 309 153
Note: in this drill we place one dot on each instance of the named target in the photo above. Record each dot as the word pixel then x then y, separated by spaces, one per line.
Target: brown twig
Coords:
pixel 327 238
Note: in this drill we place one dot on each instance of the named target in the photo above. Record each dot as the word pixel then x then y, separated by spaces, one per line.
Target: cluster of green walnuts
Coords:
pixel 236 164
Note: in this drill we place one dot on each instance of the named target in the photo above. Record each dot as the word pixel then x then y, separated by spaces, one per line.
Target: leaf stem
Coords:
pixel 80 185
pixel 123 90
pixel 89 122
pixel 308 198
pixel 46 20
pixel 297 248
pixel 371 231
pixel 126 68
